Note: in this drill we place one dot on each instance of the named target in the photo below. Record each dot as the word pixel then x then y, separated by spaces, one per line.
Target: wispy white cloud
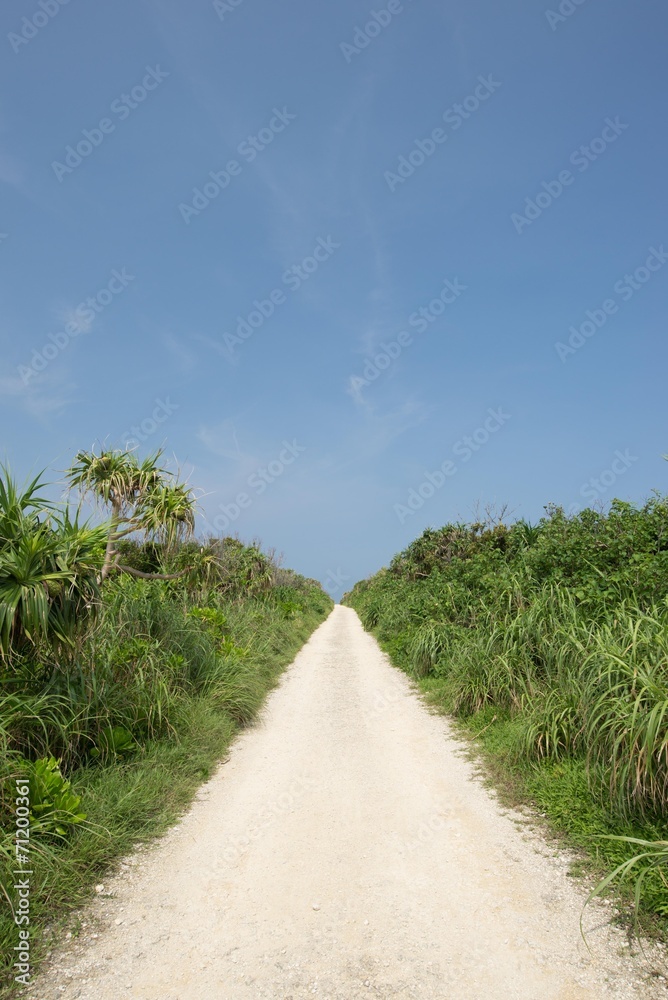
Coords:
pixel 44 395
pixel 11 171
pixel 81 319
pixel 354 389
pixel 176 348
pixel 376 432
pixel 216 345
pixel 222 440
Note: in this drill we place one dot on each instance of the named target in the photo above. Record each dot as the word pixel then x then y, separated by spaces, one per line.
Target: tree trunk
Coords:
pixel 110 553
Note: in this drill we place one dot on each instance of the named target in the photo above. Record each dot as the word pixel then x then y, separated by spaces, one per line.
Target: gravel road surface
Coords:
pixel 347 850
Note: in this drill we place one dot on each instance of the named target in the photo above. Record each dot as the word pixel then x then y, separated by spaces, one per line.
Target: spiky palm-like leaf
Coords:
pixel 48 567
pixel 116 477
pixel 142 496
pixel 166 512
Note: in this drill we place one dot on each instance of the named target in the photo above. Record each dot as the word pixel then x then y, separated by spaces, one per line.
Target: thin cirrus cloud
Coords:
pixel 45 395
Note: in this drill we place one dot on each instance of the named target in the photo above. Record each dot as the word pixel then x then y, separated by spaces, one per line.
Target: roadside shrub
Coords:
pixel 557 633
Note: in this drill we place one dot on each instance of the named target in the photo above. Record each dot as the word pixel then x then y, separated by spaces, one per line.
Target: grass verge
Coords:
pixel 131 801
pixel 548 643
pixel 559 793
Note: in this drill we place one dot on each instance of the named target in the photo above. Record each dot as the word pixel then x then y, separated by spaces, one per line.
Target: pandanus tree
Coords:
pixel 140 497
pixel 49 566
pixel 52 564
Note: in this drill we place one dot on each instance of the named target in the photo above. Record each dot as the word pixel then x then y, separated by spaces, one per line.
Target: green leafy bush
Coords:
pixel 54 807
pixel 556 633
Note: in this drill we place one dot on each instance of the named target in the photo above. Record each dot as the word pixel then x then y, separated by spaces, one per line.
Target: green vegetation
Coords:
pixel 549 644
pixel 128 662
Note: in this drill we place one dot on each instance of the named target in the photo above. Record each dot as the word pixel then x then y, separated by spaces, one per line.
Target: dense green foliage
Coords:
pixel 551 640
pixel 118 696
pixel 48 569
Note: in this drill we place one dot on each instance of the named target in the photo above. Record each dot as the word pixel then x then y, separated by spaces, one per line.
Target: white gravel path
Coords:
pixel 347 850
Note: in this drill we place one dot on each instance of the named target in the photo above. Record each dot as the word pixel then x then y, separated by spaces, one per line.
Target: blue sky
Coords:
pixel 257 202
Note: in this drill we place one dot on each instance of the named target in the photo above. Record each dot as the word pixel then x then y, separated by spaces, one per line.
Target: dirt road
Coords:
pixel 346 850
